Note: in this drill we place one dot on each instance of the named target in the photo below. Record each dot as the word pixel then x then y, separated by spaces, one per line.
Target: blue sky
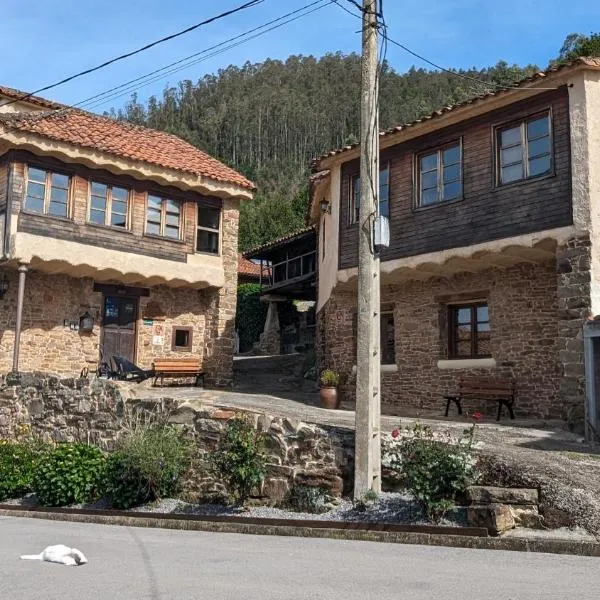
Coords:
pixel 42 41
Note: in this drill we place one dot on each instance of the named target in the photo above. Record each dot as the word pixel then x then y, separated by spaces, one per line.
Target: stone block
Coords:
pixel 480 494
pixel 496 518
pixel 328 479
pixel 526 516
pixel 275 490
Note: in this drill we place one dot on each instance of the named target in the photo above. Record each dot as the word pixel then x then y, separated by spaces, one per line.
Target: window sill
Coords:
pixel 438 204
pixel 204 253
pixel 502 186
pixel 164 238
pixel 46 216
pixel 109 227
pixel 383 369
pixel 467 363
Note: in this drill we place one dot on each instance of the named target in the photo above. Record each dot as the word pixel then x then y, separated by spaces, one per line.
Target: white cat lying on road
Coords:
pixel 59 554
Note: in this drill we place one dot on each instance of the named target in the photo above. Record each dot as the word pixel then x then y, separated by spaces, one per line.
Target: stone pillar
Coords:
pixel 270 338
pixel 19 321
pixel 573 264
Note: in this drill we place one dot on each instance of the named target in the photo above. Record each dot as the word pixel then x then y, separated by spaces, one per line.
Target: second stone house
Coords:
pixel 116 239
pixel 494 260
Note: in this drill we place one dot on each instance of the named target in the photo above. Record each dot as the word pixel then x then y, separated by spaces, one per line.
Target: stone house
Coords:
pixel 114 238
pixel 493 265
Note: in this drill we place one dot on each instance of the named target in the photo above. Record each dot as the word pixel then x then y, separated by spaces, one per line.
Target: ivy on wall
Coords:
pixel 250 316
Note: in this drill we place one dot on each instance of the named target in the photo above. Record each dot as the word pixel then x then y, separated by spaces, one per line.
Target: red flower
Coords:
pixel 395 433
pixel 477 416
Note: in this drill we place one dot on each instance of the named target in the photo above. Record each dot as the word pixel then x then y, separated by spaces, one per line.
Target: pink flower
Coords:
pixel 395 433
pixel 477 416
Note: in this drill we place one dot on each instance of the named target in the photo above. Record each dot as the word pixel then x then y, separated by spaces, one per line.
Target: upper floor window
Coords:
pixel 163 217
pixel 207 233
pixel 47 192
pixel 524 149
pixel 440 175
pixel 384 195
pixel 108 205
pixel 469 331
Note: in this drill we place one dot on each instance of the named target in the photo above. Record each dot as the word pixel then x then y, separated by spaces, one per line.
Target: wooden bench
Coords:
pixel 484 388
pixel 178 367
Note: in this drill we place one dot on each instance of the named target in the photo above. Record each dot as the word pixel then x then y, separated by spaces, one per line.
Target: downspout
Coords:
pixel 7 214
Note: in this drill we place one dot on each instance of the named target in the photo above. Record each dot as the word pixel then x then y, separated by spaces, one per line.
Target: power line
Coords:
pixel 142 49
pixel 488 84
pixel 156 75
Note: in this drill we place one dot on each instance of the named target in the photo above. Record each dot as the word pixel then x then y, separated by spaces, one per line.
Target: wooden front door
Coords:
pixel 119 327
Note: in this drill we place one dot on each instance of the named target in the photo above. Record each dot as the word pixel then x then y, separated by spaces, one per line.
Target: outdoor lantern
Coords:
pixel 86 322
pixel 324 204
pixel 3 286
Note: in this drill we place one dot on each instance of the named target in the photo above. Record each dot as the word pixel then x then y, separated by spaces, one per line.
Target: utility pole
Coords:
pixel 367 456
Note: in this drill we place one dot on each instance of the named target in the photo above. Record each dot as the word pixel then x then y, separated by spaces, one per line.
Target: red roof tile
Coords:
pixel 247 267
pixel 123 139
pixel 18 96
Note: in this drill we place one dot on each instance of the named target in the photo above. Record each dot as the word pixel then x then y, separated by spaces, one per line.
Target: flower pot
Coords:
pixel 329 397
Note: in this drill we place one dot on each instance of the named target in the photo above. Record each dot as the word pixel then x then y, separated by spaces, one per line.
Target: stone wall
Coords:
pixel 522 304
pixel 94 411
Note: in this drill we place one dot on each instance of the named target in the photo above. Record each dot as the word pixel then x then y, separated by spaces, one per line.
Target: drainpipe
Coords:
pixel 20 296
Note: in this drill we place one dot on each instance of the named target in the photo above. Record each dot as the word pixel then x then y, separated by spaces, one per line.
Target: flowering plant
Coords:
pixel 434 465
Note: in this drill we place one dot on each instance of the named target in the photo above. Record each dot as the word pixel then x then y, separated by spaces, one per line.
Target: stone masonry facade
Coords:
pixel 536 315
pixel 95 411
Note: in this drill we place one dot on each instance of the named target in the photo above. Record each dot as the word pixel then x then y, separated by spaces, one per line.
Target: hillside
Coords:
pixel 269 119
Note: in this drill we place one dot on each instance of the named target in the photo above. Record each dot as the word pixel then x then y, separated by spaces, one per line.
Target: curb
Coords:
pixel 370 532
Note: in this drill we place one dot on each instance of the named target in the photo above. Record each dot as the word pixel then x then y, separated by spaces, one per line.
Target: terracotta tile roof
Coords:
pixel 13 94
pixel 286 238
pixel 593 62
pixel 247 267
pixel 125 140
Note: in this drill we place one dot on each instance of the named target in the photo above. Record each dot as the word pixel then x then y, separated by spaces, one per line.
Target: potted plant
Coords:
pixel 328 394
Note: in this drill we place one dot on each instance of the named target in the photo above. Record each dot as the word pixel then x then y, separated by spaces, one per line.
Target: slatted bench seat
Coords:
pixel 502 390
pixel 178 367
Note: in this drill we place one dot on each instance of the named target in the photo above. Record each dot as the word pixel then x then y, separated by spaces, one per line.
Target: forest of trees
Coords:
pixel 268 120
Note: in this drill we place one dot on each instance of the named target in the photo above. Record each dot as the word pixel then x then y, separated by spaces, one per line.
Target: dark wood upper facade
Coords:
pixel 130 232
pixel 486 209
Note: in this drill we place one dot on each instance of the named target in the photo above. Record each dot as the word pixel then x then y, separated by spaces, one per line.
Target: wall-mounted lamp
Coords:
pixel 86 323
pixel 3 286
pixel 325 206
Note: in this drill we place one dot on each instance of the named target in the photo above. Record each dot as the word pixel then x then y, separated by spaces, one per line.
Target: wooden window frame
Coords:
pixel 108 209
pixel 190 332
pixel 386 314
pixel 353 215
pixel 163 217
pixel 47 190
pixel 218 231
pixel 439 150
pixel 453 328
pixel 522 124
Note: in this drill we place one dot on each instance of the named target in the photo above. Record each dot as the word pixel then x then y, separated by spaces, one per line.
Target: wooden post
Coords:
pixel 20 297
pixel 367 458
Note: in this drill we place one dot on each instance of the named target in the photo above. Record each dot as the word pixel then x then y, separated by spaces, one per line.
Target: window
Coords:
pixel 387 339
pixel 440 175
pixel 384 195
pixel 524 150
pixel 163 217
pixel 469 331
pixel 108 205
pixel 47 192
pixel 207 233
pixel 182 339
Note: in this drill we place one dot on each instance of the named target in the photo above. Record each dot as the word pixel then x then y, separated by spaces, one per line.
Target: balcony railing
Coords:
pixel 289 270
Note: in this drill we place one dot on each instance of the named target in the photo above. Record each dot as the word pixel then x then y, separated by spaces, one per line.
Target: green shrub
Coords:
pixel 18 461
pixel 435 468
pixel 71 473
pixel 149 464
pixel 329 378
pixel 250 315
pixel 307 499
pixel 239 461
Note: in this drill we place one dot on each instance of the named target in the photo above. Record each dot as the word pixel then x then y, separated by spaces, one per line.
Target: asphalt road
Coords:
pixel 153 564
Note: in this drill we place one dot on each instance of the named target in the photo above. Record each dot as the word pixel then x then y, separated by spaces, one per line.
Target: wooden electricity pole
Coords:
pixel 367 457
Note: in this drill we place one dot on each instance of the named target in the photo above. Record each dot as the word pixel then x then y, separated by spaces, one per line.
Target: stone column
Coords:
pixel 20 298
pixel 270 338
pixel 573 264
